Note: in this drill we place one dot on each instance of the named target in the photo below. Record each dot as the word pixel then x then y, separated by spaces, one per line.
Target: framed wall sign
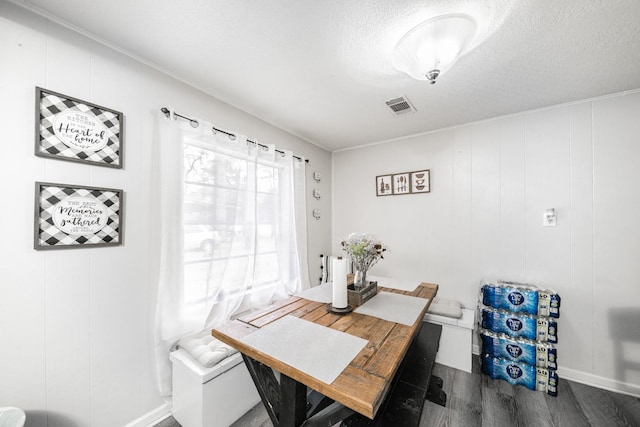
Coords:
pixel 71 129
pixel 75 216
pixel 420 181
pixel 401 184
pixel 383 185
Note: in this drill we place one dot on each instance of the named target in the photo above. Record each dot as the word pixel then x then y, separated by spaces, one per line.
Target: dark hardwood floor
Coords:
pixel 477 400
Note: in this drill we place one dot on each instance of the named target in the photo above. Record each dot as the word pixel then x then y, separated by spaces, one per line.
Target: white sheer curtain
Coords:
pixel 233 230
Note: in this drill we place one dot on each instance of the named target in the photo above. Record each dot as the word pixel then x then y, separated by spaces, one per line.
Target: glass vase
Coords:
pixel 359 277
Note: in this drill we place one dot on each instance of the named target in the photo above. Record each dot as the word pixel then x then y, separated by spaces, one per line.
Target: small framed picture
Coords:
pixel 401 184
pixel 420 181
pixel 75 216
pixel 383 185
pixel 78 131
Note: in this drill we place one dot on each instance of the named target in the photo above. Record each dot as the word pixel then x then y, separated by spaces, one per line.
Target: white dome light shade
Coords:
pixel 432 47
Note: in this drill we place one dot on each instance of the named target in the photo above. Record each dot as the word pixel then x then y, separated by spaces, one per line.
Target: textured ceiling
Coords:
pixel 322 69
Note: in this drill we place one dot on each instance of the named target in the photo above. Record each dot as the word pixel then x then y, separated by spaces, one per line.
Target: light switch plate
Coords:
pixel 550 218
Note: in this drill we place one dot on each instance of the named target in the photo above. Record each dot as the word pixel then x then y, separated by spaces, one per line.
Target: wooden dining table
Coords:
pixel 362 386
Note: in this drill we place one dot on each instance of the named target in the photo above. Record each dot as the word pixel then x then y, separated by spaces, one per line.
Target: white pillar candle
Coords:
pixel 340 283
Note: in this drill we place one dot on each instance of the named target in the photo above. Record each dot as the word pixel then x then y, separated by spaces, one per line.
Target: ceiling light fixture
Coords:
pixel 431 48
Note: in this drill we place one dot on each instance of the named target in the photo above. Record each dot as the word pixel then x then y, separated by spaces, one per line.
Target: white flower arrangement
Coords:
pixel 364 249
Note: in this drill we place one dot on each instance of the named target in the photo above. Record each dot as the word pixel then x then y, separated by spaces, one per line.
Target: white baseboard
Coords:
pixel 597 381
pixel 152 417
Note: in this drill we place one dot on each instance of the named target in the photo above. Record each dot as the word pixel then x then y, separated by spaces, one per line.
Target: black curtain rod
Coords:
pixel 167 113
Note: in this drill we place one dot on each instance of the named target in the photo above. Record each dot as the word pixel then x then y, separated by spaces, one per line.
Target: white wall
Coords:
pixel 76 325
pixel 491 183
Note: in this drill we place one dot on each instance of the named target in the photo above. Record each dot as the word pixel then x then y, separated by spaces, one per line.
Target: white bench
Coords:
pixel 456 340
pixel 215 396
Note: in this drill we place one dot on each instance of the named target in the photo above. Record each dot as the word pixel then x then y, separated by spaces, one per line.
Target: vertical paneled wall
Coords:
pixel 76 326
pixel 616 236
pixel 491 183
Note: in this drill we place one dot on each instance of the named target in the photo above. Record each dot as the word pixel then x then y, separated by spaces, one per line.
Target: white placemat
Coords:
pixel 314 349
pixel 321 293
pixel 397 308
pixel 391 282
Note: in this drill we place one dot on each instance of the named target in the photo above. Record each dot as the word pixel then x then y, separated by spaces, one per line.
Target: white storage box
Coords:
pixel 456 340
pixel 215 396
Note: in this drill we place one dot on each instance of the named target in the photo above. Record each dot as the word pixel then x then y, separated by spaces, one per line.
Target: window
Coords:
pixel 230 224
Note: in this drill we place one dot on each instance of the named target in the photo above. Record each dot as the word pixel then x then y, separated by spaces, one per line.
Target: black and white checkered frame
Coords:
pixel 47 144
pixel 48 236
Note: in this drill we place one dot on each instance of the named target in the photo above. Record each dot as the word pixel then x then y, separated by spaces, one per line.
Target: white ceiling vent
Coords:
pixel 400 106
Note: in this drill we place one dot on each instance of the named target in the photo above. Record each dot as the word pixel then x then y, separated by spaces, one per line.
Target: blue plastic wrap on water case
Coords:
pixel 519 350
pixel 532 328
pixel 520 298
pixel 516 373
